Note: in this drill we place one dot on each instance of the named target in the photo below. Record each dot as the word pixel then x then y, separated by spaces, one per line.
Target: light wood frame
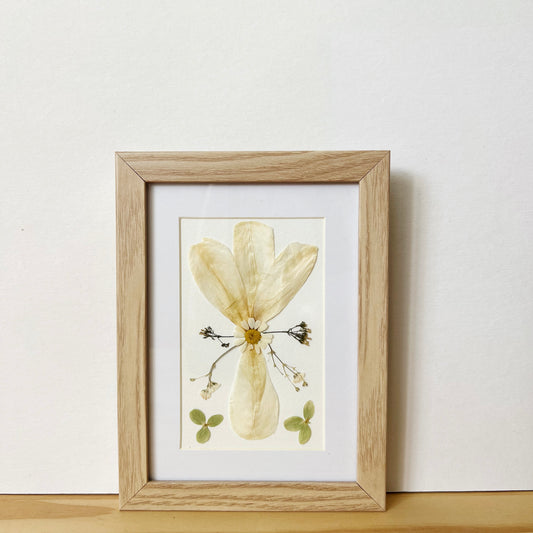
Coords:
pixel 134 172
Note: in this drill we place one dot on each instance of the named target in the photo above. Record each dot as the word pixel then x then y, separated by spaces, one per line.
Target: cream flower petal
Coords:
pixel 267 338
pixel 262 326
pixel 238 341
pixel 253 248
pixel 251 323
pixel 253 403
pixel 238 331
pixel 286 277
pixel 213 267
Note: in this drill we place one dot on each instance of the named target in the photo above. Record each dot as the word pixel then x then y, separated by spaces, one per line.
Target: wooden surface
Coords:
pixel 373 320
pixel 131 331
pixel 507 512
pixel 134 171
pixel 254 167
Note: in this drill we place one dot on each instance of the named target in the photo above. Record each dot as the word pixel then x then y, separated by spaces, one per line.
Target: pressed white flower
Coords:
pixel 250 287
pixel 209 390
pixel 299 377
pixel 214 386
pixel 249 335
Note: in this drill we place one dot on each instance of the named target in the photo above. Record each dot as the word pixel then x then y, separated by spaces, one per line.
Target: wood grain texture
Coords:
pixel 253 167
pixel 134 171
pixel 373 320
pixel 507 512
pixel 252 496
pixel 131 330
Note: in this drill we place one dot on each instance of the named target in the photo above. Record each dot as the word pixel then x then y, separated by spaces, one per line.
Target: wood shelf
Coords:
pixel 472 512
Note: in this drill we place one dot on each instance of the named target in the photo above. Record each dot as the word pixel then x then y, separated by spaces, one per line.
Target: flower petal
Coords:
pixel 286 277
pixel 267 337
pixel 238 332
pixel 253 248
pixel 253 403
pixel 213 267
pixel 265 341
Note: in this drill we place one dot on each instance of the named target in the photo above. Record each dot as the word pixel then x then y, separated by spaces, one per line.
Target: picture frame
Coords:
pixel 135 172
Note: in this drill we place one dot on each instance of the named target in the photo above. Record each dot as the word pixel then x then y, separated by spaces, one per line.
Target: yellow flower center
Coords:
pixel 252 336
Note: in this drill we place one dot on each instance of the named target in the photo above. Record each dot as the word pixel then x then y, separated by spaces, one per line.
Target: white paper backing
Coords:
pixel 338 205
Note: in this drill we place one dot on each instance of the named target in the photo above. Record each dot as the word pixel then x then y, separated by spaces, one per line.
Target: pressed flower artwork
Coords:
pixel 252 308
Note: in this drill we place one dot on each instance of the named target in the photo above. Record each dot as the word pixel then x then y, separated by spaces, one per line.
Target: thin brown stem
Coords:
pixel 213 366
pixel 286 369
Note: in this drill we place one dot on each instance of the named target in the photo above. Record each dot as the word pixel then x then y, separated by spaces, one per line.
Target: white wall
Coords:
pixel 445 85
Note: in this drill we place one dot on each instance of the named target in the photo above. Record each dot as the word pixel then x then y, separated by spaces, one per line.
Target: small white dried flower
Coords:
pixel 299 377
pixel 206 393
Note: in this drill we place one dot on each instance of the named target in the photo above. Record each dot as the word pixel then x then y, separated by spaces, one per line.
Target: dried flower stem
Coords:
pixel 208 333
pixel 213 366
pixel 300 332
pixel 290 372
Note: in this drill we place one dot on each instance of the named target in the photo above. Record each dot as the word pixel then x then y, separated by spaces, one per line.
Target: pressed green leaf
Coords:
pixel 309 410
pixel 294 423
pixel 203 435
pixel 197 416
pixel 305 434
pixel 215 420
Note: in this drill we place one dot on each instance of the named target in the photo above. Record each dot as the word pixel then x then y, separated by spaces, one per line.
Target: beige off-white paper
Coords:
pixel 254 397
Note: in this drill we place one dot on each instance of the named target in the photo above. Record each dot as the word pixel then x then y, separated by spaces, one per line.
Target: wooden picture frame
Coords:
pixel 135 171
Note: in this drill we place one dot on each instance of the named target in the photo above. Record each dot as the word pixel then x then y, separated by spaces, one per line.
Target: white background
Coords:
pixel 446 86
